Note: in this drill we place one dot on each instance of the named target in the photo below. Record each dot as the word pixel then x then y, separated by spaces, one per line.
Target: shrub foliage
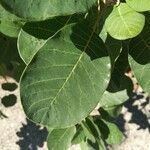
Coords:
pixel 72 55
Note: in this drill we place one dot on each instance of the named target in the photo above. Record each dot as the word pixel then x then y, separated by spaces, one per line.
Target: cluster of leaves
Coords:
pixel 75 54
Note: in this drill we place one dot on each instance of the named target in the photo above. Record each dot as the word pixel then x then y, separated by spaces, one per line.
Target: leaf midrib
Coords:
pixel 55 98
pixel 124 22
pixel 75 66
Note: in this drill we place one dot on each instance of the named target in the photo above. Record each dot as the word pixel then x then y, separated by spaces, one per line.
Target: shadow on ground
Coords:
pixel 138 116
pixel 31 136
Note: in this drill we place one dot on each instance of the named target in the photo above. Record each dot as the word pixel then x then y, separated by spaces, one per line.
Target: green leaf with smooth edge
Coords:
pixel 120 86
pixel 91 132
pixel 88 132
pixel 107 129
pixel 79 136
pixel 113 99
pixel 42 10
pixel 60 139
pixel 113 138
pixel 124 23
pixel 10 24
pixel 85 146
pixel 10 62
pixel 139 5
pixel 35 34
pixel 140 52
pixel 62 78
pixel 142 73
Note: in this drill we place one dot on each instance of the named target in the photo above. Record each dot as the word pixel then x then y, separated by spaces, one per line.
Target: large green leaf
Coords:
pixel 140 52
pixel 35 34
pixel 60 139
pixel 139 5
pixel 10 24
pixel 41 10
pixel 63 77
pixel 124 22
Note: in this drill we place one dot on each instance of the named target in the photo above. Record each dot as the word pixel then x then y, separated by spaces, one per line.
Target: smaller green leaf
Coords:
pixel 10 24
pixel 112 99
pixel 139 5
pixel 79 136
pixel 142 73
pixel 34 35
pixel 41 10
pixel 112 102
pixel 113 111
pixel 10 28
pixel 120 86
pixel 85 146
pixel 140 56
pixel 60 139
pixel 109 131
pixel 88 132
pixel 124 22
pixel 94 130
pixel 115 136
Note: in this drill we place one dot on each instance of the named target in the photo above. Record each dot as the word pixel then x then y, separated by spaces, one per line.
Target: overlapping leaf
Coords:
pixel 35 34
pixel 107 128
pixel 79 136
pixel 140 52
pixel 41 10
pixel 120 86
pixel 60 139
pixel 124 22
pixel 10 24
pixel 113 99
pixel 60 86
pixel 139 5
pixel 9 58
pixel 93 134
pixel 113 138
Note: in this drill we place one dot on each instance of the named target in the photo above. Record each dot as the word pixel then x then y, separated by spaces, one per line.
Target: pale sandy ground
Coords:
pixel 16 133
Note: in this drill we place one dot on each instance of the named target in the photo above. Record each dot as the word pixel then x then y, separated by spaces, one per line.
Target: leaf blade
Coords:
pixel 60 139
pixel 139 5
pixel 122 18
pixel 71 72
pixel 42 10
